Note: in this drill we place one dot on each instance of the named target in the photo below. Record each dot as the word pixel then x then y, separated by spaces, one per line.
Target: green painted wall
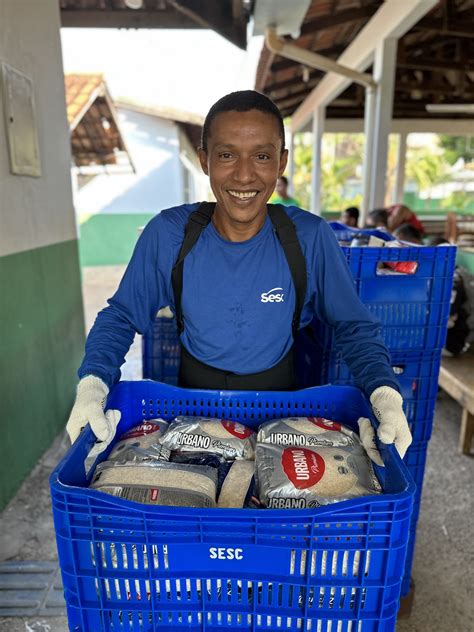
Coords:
pixel 41 346
pixel 108 239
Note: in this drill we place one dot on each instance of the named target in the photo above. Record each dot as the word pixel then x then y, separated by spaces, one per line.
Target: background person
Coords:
pixel 378 219
pixel 406 232
pixel 350 217
pixel 399 214
pixel 281 195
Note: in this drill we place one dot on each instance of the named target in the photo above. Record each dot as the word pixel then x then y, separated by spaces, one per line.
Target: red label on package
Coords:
pixel 326 424
pixel 143 429
pixel 303 467
pixel 154 494
pixel 237 430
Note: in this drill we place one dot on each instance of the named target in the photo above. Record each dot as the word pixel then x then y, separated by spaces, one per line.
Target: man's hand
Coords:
pixel 89 408
pixel 393 426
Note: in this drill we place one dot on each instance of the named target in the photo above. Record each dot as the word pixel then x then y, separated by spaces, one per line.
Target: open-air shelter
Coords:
pixel 413 73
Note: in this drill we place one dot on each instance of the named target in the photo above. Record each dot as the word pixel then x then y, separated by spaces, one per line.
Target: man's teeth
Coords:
pixel 243 196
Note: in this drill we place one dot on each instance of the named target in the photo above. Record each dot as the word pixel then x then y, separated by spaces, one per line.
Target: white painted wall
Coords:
pixel 36 212
pixel 155 148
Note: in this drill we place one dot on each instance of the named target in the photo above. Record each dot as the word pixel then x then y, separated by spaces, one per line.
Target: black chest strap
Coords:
pixel 286 232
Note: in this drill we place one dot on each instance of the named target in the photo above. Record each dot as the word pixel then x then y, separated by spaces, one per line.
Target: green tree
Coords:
pixel 341 157
pixel 456 147
pixel 426 167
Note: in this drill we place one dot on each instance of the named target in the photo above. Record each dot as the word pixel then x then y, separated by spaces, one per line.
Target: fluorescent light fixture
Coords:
pixel 453 108
pixel 134 4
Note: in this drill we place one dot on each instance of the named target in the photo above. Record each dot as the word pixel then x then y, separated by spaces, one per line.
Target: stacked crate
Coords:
pixel 161 351
pixel 413 310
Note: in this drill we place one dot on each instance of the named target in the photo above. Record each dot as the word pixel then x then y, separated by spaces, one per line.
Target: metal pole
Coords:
pixel 369 114
pixel 316 170
pixel 384 74
pixel 400 175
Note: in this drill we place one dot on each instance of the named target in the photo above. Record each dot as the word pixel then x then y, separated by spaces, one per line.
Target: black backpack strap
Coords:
pixel 286 233
pixel 197 222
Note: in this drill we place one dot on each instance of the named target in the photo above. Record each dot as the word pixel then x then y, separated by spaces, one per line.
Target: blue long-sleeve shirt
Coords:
pixel 238 300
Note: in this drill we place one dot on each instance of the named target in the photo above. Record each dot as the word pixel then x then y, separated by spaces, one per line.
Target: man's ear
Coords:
pixel 203 160
pixel 283 161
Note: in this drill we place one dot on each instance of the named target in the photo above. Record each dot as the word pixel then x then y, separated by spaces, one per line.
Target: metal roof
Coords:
pixel 434 60
pixel 229 18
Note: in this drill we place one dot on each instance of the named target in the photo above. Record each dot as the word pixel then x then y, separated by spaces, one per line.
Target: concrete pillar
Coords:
pixel 400 175
pixel 316 171
pixel 384 75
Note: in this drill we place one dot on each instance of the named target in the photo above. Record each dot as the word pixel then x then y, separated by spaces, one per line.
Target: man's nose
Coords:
pixel 244 170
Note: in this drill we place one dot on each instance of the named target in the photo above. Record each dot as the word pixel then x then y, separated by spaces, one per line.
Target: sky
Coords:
pixel 184 69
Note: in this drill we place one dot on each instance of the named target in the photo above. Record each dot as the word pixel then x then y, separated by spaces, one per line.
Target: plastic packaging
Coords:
pixel 239 487
pixel 141 443
pixel 307 477
pixel 229 439
pixel 306 431
pixel 159 483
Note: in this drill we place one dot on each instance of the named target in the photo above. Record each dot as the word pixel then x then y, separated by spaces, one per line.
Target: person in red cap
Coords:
pixel 399 214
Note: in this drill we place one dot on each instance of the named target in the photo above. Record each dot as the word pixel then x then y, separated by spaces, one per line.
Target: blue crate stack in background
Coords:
pixel 414 311
pixel 161 351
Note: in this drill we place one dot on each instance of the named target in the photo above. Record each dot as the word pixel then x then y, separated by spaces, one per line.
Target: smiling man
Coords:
pixel 242 276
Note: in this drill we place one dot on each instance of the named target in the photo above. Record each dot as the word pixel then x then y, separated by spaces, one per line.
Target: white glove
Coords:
pixel 367 436
pixel 89 408
pixel 393 426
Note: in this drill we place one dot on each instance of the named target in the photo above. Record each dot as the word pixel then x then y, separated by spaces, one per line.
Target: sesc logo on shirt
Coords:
pixel 272 296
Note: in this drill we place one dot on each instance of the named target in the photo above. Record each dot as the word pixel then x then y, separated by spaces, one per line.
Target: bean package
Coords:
pixel 295 462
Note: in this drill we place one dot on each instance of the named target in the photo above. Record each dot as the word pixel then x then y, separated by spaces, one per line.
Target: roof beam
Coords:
pixel 392 20
pixel 288 63
pixel 433 65
pixel 451 29
pixel 336 19
pixel 126 18
pixel 456 127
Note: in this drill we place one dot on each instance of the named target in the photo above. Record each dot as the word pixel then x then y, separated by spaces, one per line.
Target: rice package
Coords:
pixel 306 477
pixel 159 483
pixel 306 431
pixel 239 487
pixel 141 443
pixel 229 439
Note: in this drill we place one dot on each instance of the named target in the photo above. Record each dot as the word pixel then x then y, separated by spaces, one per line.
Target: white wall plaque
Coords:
pixel 20 122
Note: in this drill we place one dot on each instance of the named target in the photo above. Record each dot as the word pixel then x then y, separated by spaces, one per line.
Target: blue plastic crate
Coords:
pixel 413 308
pixel 417 373
pixel 127 566
pixel 346 233
pixel 407 579
pixel 161 351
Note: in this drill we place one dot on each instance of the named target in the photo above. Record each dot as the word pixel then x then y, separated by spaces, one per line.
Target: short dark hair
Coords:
pixel 284 179
pixel 353 212
pixel 407 232
pixel 379 216
pixel 242 101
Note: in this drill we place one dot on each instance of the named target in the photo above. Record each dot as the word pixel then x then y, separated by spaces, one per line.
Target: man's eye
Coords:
pixel 263 157
pixel 225 155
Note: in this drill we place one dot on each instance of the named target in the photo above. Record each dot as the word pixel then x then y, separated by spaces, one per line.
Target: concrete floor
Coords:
pixel 444 561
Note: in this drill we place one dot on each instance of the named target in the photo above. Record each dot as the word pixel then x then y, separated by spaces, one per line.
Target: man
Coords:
pixel 378 219
pixel 406 232
pixel 241 277
pixel 281 193
pixel 350 217
pixel 399 214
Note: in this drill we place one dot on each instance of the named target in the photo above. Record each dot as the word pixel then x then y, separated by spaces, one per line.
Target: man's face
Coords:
pixel 243 161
